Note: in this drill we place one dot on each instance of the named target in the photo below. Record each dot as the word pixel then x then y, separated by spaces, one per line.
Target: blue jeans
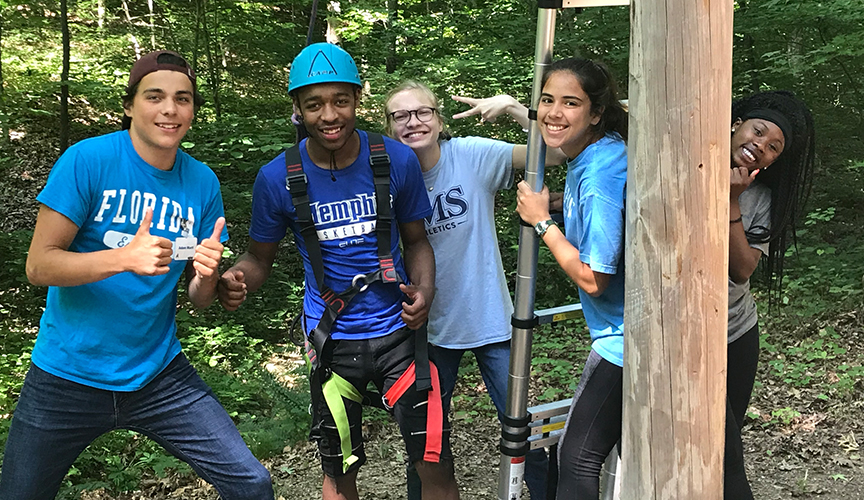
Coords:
pixel 494 363
pixel 56 419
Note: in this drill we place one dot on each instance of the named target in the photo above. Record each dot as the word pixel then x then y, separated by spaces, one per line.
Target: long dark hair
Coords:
pixel 597 82
pixel 789 178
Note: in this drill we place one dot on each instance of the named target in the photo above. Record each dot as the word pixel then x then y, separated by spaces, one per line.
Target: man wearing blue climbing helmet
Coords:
pixel 325 86
pixel 367 298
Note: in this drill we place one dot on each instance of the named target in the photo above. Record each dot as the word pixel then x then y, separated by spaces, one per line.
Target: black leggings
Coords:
pixel 742 358
pixel 593 429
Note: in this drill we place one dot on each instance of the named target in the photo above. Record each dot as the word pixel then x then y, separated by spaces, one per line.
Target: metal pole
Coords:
pixel 514 431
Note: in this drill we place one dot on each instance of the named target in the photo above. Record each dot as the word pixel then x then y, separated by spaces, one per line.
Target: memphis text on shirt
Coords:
pixel 123 208
pixel 355 216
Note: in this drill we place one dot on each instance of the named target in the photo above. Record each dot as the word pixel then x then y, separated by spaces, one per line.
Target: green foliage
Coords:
pixel 477 48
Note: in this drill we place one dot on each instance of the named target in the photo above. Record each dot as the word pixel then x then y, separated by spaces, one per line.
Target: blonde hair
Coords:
pixel 424 91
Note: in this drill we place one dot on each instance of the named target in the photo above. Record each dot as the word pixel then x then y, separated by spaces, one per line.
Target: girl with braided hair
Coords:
pixel 772 154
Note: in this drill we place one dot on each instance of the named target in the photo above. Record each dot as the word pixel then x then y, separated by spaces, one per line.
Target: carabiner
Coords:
pixel 358 277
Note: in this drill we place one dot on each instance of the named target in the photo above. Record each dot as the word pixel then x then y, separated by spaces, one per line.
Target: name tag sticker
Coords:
pixel 184 248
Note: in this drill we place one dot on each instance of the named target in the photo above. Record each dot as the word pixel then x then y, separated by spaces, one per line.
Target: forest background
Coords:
pixel 63 66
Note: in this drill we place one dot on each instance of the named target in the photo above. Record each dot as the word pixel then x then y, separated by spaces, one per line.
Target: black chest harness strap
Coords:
pixel 336 302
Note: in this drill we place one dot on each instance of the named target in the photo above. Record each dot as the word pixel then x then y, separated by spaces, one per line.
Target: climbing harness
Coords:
pixel 319 344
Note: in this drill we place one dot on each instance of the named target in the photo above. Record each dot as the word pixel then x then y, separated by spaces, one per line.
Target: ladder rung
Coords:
pixel 555 314
pixel 593 3
pixel 542 442
pixel 555 423
pixel 549 410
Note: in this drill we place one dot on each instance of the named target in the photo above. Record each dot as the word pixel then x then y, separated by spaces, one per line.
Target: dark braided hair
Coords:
pixel 598 84
pixel 789 178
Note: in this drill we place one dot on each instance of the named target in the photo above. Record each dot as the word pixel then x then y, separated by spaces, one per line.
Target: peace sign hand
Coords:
pixel 488 108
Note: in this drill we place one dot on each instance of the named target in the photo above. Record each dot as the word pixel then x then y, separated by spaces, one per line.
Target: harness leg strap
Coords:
pixel 421 358
pixel 434 409
pixel 335 388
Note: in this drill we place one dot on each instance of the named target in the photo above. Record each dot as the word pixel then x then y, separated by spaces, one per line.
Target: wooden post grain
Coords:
pixel 676 249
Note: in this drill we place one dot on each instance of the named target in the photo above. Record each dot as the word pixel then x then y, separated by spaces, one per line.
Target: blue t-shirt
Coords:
pixel 344 213
pixel 119 333
pixel 472 307
pixel 594 224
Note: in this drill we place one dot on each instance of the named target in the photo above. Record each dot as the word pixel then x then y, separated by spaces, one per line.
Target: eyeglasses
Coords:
pixel 404 115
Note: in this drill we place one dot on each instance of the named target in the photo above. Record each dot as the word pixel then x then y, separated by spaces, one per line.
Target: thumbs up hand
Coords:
pixel 146 254
pixel 208 253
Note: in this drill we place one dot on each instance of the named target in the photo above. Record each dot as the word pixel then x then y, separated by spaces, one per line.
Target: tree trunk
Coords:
pixel 1 55
pixel 676 257
pixel 64 79
pixel 132 38
pixel 392 18
pixel 332 35
pixel 152 25
pixel 212 67
pixel 100 13
pixel 195 43
pixel 4 132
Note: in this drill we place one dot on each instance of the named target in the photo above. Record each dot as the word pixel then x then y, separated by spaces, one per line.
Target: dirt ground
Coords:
pixel 812 455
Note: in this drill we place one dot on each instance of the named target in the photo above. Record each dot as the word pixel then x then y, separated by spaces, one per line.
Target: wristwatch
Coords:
pixel 541 227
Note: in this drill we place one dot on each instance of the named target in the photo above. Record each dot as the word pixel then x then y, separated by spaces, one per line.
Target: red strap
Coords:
pixel 434 409
pixel 434 418
pixel 398 389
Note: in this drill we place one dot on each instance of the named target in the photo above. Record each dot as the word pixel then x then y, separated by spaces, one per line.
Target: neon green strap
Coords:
pixel 334 389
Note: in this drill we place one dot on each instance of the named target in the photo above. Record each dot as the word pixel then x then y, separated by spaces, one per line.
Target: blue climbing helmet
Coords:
pixel 322 63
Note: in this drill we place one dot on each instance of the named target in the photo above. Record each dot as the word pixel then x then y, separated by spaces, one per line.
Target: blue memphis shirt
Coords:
pixel 344 213
pixel 594 223
pixel 119 333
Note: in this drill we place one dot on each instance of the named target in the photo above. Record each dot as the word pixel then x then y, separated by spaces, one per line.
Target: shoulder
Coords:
pixel 275 168
pixel 397 150
pixel 478 143
pixel 606 158
pixel 95 153
pixel 756 194
pixel 610 148
pixel 101 145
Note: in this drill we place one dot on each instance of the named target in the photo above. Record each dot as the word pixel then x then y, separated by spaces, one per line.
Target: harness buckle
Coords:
pixel 388 270
pixel 299 187
pixel 384 402
pixel 357 278
pixel 380 163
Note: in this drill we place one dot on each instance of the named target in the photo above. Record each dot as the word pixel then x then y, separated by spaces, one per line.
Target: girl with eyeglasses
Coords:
pixel 472 307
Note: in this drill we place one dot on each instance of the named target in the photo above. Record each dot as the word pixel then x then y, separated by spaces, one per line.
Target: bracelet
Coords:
pixel 733 221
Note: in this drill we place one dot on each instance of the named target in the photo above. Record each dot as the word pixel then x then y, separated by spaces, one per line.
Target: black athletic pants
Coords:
pixel 593 429
pixel 743 356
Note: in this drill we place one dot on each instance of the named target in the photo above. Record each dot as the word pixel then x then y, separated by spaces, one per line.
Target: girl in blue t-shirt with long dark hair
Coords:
pixel 579 113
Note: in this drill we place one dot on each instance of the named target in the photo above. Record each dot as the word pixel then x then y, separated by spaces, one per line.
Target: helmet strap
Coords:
pixel 332 165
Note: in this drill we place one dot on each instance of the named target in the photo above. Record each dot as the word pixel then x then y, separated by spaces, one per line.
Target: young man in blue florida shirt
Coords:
pixel 123 216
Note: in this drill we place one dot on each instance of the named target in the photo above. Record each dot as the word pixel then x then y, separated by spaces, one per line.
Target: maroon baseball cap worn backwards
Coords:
pixel 158 61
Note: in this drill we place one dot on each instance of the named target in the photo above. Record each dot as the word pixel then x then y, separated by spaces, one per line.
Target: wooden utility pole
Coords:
pixel 677 249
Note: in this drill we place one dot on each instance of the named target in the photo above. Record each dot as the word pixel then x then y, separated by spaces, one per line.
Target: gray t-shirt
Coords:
pixel 755 203
pixel 472 306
